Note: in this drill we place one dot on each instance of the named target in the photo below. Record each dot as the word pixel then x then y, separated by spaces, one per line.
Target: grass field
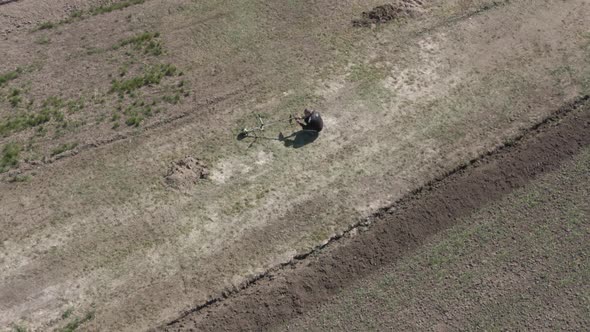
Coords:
pixel 519 263
pixel 98 98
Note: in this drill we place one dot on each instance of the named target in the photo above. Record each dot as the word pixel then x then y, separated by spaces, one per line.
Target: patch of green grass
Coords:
pixel 21 122
pixel 50 111
pixel 53 102
pixel 20 178
pixel 9 158
pixel 78 15
pixel 47 25
pixel 115 6
pixel 43 40
pixel 174 99
pixel 152 76
pixel 67 313
pixel 153 48
pixel 145 41
pixel 134 120
pixel 135 113
pixel 530 199
pixel 19 328
pixel 365 72
pixel 9 76
pixel 15 97
pixel 77 322
pixel 94 50
pixel 75 105
pixel 63 148
pixel 123 70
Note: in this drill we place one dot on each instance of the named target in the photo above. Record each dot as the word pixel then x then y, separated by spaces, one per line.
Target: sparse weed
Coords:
pixel 78 15
pixel 77 322
pixel 364 72
pixel 47 25
pixel 20 122
pixel 11 75
pixel 134 120
pixel 153 48
pixel 172 99
pixel 115 6
pixel 19 328
pixel 57 115
pixel 53 101
pixel 20 178
pixel 145 41
pixel 10 154
pixel 74 106
pixel 15 97
pixel 67 313
pixel 147 111
pixel 43 40
pixel 123 70
pixel 151 76
pixel 63 148
pixel 93 50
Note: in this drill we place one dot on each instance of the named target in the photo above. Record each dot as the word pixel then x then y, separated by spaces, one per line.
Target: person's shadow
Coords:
pixel 299 138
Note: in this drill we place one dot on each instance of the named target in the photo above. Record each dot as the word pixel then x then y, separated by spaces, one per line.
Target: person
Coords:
pixel 311 120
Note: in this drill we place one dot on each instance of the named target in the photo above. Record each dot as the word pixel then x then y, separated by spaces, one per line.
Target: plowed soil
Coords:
pixel 398 230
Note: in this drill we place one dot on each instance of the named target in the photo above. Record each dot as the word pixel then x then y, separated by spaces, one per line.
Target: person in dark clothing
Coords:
pixel 311 123
pixel 311 120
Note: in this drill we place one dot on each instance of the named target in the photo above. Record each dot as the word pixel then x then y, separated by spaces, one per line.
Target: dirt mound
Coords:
pixel 186 172
pixel 389 12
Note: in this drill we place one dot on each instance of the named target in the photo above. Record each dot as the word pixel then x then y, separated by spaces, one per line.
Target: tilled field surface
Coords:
pixel 400 230
pixel 126 198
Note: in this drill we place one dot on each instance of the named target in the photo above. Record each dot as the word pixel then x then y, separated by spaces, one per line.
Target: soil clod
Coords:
pixel 389 12
pixel 186 172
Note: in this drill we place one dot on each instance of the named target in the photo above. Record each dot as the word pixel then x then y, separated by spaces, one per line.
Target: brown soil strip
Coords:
pixel 4 2
pixel 300 285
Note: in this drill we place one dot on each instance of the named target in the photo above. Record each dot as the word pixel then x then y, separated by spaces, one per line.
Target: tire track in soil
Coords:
pixel 309 279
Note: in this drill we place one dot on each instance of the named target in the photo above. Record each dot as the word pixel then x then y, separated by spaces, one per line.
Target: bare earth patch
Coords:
pixel 186 172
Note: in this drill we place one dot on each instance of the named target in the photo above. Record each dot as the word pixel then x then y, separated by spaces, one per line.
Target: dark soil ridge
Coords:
pixel 5 2
pixel 288 290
